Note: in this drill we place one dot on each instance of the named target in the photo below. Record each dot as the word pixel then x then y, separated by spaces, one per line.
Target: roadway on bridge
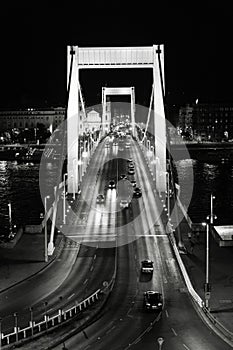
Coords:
pixel 73 276
pixel 123 323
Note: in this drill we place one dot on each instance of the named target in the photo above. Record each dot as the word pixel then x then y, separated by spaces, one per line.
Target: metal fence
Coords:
pixel 33 329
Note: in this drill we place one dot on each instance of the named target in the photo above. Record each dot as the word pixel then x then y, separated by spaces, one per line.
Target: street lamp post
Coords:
pixel 16 326
pixel 31 318
pixel 75 170
pixel 64 198
pixel 45 229
pixel 0 333
pixel 211 217
pixel 10 216
pixel 72 177
pixel 160 341
pixel 46 318
pixel 168 194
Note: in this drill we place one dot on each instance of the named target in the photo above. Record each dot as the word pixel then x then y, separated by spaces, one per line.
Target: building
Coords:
pixel 52 117
pixel 213 121
pixel 29 118
pixel 93 120
pixel 207 122
pixel 185 122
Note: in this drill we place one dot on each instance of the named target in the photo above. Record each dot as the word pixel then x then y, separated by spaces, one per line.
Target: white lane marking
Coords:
pixel 186 347
pixel 91 268
pixel 85 281
pixel 167 313
pixel 138 340
pixel 173 330
pixel 71 296
pixel 94 256
pixel 110 329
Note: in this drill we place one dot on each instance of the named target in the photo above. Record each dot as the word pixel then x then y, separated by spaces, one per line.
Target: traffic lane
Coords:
pixel 83 279
pixel 37 287
pixel 15 303
pixel 55 299
pixel 115 311
pixel 116 325
pixel 123 318
pixel 171 266
pixel 190 333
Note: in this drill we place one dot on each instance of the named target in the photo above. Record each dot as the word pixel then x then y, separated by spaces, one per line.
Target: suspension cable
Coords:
pixel 149 113
pixel 83 107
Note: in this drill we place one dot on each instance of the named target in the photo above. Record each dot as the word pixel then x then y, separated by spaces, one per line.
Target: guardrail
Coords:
pixel 218 325
pixel 34 329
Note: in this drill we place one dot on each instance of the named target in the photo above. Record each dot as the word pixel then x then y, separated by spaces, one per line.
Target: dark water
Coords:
pixel 19 184
pixel 216 178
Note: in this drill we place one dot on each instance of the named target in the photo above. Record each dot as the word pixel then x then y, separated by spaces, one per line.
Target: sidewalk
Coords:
pixel 220 275
pixel 25 259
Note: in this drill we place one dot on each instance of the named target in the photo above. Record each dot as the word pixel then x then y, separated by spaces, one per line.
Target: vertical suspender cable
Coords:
pixel 148 117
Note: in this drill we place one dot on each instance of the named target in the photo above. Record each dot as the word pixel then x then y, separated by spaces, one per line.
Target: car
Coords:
pixel 133 183
pixel 137 192
pixel 153 300
pixel 112 184
pixel 130 160
pixel 131 165
pixel 131 171
pixel 147 266
pixel 124 203
pixel 123 177
pixel 107 145
pixel 100 198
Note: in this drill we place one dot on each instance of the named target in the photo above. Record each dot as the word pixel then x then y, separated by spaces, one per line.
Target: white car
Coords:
pixel 124 203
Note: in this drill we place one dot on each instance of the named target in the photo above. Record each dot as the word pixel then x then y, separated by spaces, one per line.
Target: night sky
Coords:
pixel 197 38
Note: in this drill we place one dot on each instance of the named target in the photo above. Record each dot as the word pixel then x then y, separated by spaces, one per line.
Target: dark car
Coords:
pixel 123 177
pixel 131 171
pixel 112 184
pixel 147 266
pixel 137 192
pixel 133 183
pixel 100 198
pixel 131 165
pixel 153 300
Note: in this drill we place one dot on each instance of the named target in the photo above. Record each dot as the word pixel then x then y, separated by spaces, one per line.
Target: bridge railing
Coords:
pixel 48 323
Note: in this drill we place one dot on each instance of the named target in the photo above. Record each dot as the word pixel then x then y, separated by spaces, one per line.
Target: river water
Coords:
pixel 19 184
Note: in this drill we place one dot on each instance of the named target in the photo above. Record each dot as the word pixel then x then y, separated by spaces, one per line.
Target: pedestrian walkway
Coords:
pixel 221 273
pixel 24 260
